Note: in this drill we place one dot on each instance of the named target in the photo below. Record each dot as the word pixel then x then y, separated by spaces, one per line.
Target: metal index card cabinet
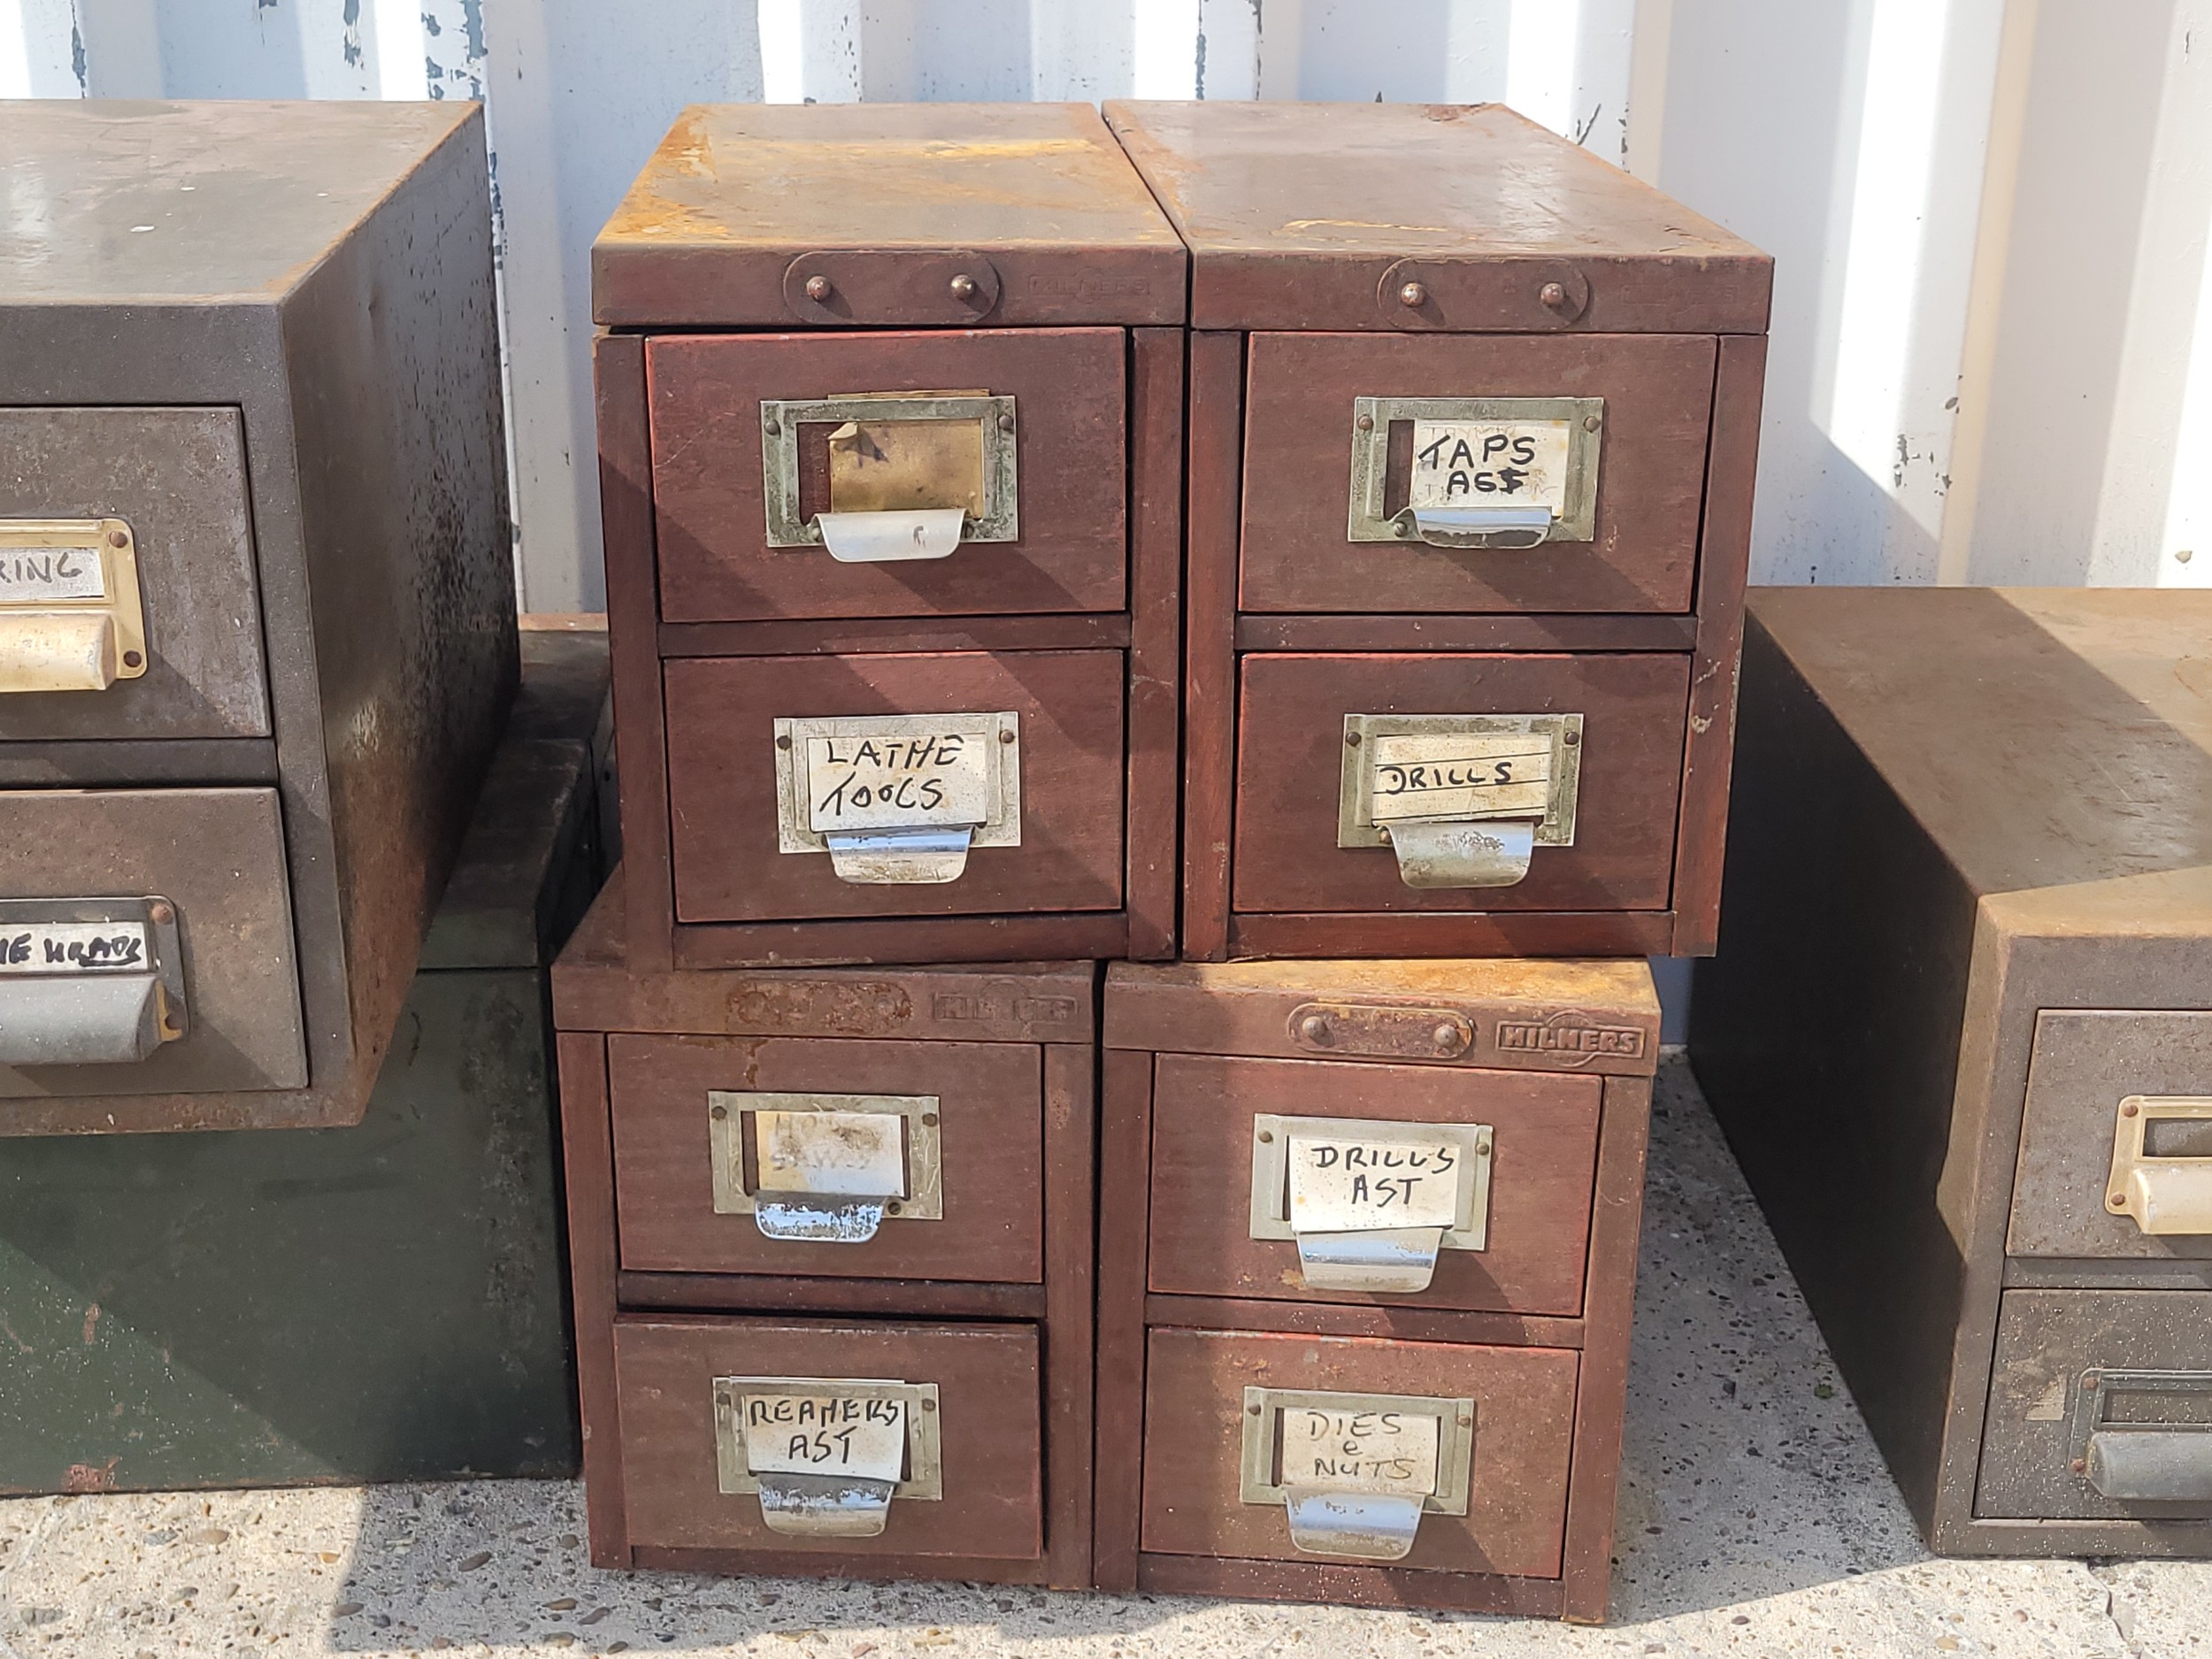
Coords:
pixel 257 608
pixel 830 1235
pixel 1472 423
pixel 1367 1258
pixel 890 406
pixel 1959 1035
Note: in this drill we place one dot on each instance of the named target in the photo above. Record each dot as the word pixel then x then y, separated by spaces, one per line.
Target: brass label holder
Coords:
pixel 1463 800
pixel 71 616
pixel 92 981
pixel 1369 1202
pixel 2162 1196
pixel 898 798
pixel 827 1455
pixel 911 476
pixel 1484 474
pixel 1356 1472
pixel 826 1168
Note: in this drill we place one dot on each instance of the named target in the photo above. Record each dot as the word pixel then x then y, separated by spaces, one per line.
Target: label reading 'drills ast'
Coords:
pixel 1489 463
pixel 1462 774
pixel 825 1434
pixel 938 779
pixel 1344 1185
pixel 75 947
pixel 1338 1450
pixel 45 575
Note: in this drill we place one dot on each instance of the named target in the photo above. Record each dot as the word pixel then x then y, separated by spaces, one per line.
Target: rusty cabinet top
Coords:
pixel 225 202
pixel 2043 737
pixel 932 215
pixel 1507 1013
pixel 1428 217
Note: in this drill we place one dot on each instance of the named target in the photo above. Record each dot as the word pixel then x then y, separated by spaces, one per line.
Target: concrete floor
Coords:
pixel 1756 1519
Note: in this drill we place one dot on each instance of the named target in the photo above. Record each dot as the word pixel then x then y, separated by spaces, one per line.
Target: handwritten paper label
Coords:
pixel 825 1434
pixel 1348 1185
pixel 1337 1450
pixel 1489 463
pixel 1462 775
pixel 44 575
pixel 929 779
pixel 856 1154
pixel 75 948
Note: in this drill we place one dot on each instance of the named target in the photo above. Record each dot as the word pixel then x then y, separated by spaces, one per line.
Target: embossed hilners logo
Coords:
pixel 1028 1009
pixel 1570 1036
pixel 1087 288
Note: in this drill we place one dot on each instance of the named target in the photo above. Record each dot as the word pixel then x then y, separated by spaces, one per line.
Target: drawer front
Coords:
pixel 1508 1465
pixel 1346 435
pixel 1058 848
pixel 971 1398
pixel 2115 1145
pixel 960 1126
pixel 1611 729
pixel 1530 1179
pixel 193 878
pixel 737 506
pixel 174 480
pixel 2100 1407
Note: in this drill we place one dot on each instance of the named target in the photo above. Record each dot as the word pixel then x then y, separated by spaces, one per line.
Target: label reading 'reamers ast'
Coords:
pixel 825 1434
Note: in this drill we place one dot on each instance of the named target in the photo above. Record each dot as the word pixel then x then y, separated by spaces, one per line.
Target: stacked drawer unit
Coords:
pixel 256 607
pixel 890 423
pixel 831 1237
pixel 1959 1035
pixel 1367 1261
pixel 1473 419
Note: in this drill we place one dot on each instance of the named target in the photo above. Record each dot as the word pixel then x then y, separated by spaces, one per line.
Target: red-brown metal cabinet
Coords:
pixel 1472 423
pixel 1367 1257
pixel 890 420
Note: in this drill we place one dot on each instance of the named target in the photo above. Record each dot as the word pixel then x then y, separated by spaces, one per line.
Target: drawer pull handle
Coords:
pixel 1463 800
pixel 2167 1195
pixel 1480 475
pixel 898 799
pixel 1369 1203
pixel 71 619
pixel 1497 529
pixel 88 981
pixel 1354 1472
pixel 2136 1458
pixel 883 538
pixel 827 1456
pixel 826 1169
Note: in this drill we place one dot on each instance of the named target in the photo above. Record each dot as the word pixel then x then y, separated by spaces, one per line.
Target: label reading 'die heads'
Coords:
pixel 1489 463
pixel 1343 1186
pixel 825 1434
pixel 75 947
pixel 44 575
pixel 1336 1450
pixel 1462 774
pixel 938 779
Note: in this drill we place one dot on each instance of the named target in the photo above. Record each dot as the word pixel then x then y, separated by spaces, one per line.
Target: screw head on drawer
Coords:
pixel 1554 295
pixel 718 1112
pixel 1006 424
pixel 2080 1465
pixel 117 538
pixel 1446 1036
pixel 2116 1200
pixel 1313 1028
pixel 1414 295
pixel 2129 1109
pixel 962 287
pixel 819 288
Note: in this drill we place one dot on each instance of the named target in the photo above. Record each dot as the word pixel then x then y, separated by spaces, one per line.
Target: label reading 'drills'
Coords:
pixel 1360 1451
pixel 1339 1186
pixel 820 1434
pixel 75 947
pixel 1489 463
pixel 926 780
pixel 1462 774
pixel 44 575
